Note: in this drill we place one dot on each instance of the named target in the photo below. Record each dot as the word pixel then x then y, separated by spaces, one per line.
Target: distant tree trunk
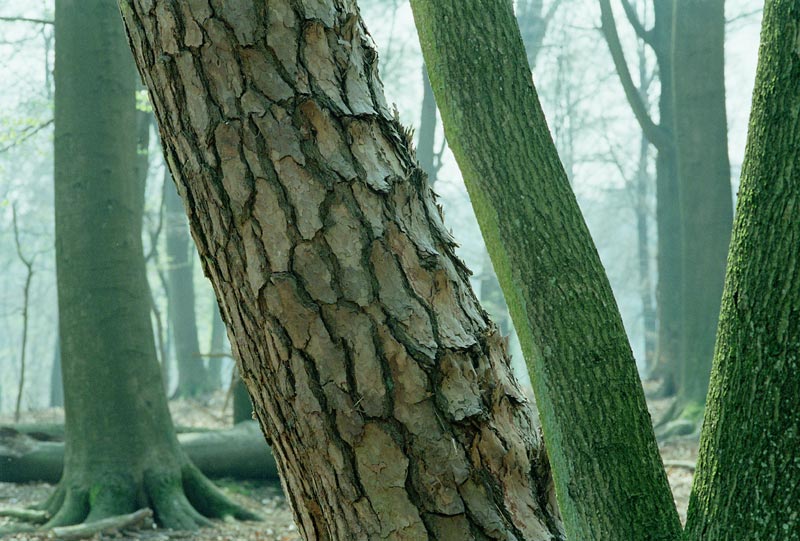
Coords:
pixel 668 213
pixel 217 347
pixel 56 387
pixel 193 378
pixel 701 135
pixel 242 404
pixel 383 387
pixel 608 473
pixel 121 451
pixel 751 435
pixel 427 130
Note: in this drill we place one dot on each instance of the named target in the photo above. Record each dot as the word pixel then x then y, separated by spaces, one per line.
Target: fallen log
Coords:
pixel 238 453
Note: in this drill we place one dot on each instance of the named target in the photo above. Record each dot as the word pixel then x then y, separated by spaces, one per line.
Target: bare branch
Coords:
pixel 25 20
pixel 643 33
pixel 656 134
pixel 27 134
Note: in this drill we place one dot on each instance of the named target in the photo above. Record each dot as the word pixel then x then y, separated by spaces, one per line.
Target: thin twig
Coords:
pixel 25 20
pixel 25 301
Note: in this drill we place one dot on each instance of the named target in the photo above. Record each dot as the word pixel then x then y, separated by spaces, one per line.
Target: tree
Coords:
pixel 701 138
pixel 120 458
pixel 668 211
pixel 193 378
pixel 746 485
pixel 608 475
pixel 381 384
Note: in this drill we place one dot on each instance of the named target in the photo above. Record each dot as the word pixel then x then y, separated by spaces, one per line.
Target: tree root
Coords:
pixel 35 516
pixel 88 529
pixel 682 420
pixel 177 498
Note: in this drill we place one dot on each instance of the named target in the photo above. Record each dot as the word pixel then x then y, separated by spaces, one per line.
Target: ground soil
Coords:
pixel 265 499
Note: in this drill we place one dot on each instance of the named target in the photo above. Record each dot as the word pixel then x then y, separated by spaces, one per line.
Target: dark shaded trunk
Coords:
pixel 242 404
pixel 382 385
pixel 217 348
pixel 608 473
pixel 56 387
pixel 121 452
pixel 746 486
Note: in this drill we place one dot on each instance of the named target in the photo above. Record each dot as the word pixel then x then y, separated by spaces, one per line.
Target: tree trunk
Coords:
pixel 705 190
pixel 748 451
pixel 641 210
pixel 608 474
pixel 121 450
pixel 427 130
pixel 242 404
pixel 56 387
pixel 238 453
pixel 382 385
pixel 193 378
pixel 217 347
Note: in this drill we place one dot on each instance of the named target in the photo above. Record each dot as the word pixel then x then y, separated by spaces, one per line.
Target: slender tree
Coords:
pixel 608 474
pixel 669 228
pixel 193 378
pixel 382 386
pixel 121 450
pixel 746 485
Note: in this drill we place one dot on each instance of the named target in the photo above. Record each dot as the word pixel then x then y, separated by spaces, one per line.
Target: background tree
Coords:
pixel 382 385
pixel 570 329
pixel 125 457
pixel 747 479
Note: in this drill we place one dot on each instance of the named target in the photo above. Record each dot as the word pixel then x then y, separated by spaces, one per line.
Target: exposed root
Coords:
pixel 28 515
pixel 88 529
pixel 180 499
pixel 683 420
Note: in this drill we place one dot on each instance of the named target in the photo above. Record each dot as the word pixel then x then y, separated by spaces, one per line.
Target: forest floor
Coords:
pixel 264 498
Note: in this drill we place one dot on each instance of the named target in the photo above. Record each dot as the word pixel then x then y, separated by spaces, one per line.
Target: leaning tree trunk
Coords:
pixel 607 470
pixel 382 386
pixel 193 378
pixel 701 137
pixel 427 130
pixel 121 451
pixel 746 485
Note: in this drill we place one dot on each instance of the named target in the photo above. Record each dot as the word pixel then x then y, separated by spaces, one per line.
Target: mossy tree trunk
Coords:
pixel 746 486
pixel 608 474
pixel 193 378
pixel 382 386
pixel 121 451
pixel 701 137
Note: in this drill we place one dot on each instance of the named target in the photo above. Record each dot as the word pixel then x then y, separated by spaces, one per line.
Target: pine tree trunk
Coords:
pixel 746 485
pixel 193 378
pixel 382 385
pixel 121 451
pixel 705 190
pixel 608 474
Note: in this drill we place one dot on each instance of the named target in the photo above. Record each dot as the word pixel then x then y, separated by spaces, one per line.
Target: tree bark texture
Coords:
pixel 382 386
pixel 701 137
pixel 746 485
pixel 120 447
pixel 607 470
pixel 193 378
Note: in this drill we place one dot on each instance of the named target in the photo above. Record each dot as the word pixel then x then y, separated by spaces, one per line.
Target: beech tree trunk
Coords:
pixel 382 386
pixel 746 485
pixel 608 473
pixel 701 136
pixel 121 452
pixel 427 130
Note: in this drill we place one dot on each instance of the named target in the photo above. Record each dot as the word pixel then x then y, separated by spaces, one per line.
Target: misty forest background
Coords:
pixel 596 133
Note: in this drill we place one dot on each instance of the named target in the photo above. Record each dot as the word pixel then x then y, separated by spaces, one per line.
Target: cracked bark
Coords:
pixel 380 383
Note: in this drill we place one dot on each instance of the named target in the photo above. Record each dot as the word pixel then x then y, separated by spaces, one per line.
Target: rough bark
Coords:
pixel 701 137
pixel 608 474
pixel 120 450
pixel 193 378
pixel 382 386
pixel 746 485
pixel 238 453
pixel 668 214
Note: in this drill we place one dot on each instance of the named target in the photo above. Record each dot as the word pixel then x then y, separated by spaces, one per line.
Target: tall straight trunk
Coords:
pixel 641 210
pixel 608 474
pixel 701 136
pixel 121 451
pixel 193 377
pixel 56 387
pixel 217 347
pixel 746 486
pixel 242 404
pixel 382 386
